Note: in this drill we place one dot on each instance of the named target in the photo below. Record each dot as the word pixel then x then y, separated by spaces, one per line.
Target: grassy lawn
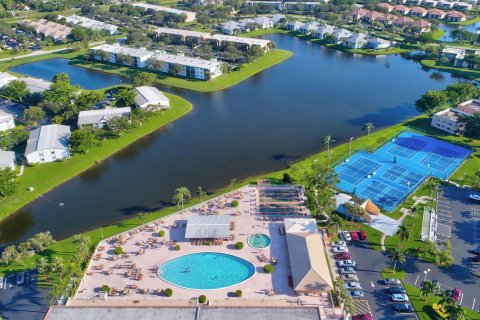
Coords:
pixel 423 308
pixel 224 81
pixel 46 176
pixel 467 73
pixel 437 34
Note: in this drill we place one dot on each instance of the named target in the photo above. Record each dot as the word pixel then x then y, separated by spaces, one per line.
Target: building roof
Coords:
pixel 295 225
pixel 52 136
pixel 310 25
pixel 97 116
pixel 421 24
pixel 470 107
pixel 230 25
pixel 187 61
pixel 208 227
pixel 436 12
pixel 308 263
pixel 184 33
pixel 418 10
pixel 250 41
pixel 6 159
pixel 90 23
pixel 296 24
pixel 147 95
pixel 36 85
pixel 263 20
pixel 325 29
pixel 401 7
pixel 276 17
pixel 403 20
pixel 455 14
pixel 49 28
pixel 153 7
pixel 140 53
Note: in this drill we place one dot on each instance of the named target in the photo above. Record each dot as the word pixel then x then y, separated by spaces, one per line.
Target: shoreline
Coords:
pixel 58 173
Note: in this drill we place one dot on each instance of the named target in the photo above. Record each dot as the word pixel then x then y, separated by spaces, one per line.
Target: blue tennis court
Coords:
pixel 390 174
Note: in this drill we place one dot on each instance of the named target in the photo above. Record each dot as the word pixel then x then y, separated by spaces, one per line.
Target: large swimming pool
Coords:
pixel 206 270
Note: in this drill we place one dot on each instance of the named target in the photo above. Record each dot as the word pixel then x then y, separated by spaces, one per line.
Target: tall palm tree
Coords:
pixel 180 194
pixel 404 233
pixel 326 142
pixel 427 290
pixel 335 222
pixel 201 193
pixel 368 127
pixel 445 299
pixel 456 311
pixel 397 256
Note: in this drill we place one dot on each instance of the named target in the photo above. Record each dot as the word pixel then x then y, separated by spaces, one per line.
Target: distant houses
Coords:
pixel 49 29
pixel 458 5
pixel 99 118
pixel 417 26
pixel 91 24
pixel 47 144
pixel 448 120
pixel 247 25
pixel 7 121
pixel 151 98
pixel 457 57
pixel 7 160
pixel 190 16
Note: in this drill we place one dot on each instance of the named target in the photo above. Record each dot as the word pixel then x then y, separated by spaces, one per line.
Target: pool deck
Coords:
pixel 255 289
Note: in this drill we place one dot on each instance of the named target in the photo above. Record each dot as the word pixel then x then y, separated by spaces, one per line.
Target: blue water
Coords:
pixel 85 78
pixel 390 174
pixel 206 270
pixel 259 241
pixel 450 27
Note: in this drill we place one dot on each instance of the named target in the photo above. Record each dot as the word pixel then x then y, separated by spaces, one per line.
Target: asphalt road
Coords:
pixel 23 302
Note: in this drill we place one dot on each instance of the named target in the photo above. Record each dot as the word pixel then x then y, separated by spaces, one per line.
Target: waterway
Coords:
pixel 275 117
pixel 450 27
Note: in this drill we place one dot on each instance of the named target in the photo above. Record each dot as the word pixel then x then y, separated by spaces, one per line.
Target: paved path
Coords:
pixel 42 52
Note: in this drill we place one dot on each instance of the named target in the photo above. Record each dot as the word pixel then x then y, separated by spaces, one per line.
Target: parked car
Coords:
pixel 346 236
pixel 397 289
pixel 343 256
pixel 474 197
pixel 354 235
pixel 364 316
pixel 346 263
pixel 356 293
pixel 403 308
pixel 456 294
pixel 340 249
pixel 398 297
pixel 350 277
pixel 362 235
pixel 392 282
pixel 353 286
pixel 346 270
pixel 339 243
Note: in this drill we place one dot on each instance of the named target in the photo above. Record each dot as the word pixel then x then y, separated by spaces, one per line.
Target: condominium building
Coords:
pixel 190 15
pixel 91 24
pixel 448 119
pixel 49 29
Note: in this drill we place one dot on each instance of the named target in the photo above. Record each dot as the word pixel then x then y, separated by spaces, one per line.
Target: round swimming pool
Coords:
pixel 259 241
pixel 206 271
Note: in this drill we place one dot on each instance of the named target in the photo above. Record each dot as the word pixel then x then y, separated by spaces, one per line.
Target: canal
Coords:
pixel 278 116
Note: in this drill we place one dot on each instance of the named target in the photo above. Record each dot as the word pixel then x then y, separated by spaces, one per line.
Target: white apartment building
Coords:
pixel 190 15
pixel 91 24
pixel 448 119
pixel 47 144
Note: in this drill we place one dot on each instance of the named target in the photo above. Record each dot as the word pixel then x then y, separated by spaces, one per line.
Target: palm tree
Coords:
pixel 327 141
pixel 201 193
pixel 335 222
pixel 456 311
pixel 180 195
pixel 396 256
pixel 445 299
pixel 368 127
pixel 404 233
pixel 141 217
pixel 427 290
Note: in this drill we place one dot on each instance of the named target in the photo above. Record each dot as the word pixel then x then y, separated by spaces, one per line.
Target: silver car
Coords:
pixel 353 286
pixel 346 270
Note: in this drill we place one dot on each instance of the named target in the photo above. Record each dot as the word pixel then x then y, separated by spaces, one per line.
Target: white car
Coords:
pixel 353 286
pixel 346 235
pixel 474 197
pixel 398 297
pixel 346 263
pixel 340 249
pixel 346 270
pixel 339 243
pixel 350 277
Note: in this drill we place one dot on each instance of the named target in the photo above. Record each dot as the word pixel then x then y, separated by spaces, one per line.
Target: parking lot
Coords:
pixel 458 220
pixel 377 300
pixel 23 302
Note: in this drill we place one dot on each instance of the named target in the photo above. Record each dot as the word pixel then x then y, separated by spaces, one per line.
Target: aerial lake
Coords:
pixel 450 27
pixel 274 118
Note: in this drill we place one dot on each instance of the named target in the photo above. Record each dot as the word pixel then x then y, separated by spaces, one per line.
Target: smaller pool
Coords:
pixel 259 241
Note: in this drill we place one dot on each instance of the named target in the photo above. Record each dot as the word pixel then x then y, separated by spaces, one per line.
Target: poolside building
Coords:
pixel 7 121
pixel 48 143
pixel 190 16
pixel 99 118
pixel 208 227
pixel 306 252
pixel 91 24
pixel 5 78
pixel 448 120
pixel 49 29
pixel 151 98
pixel 7 160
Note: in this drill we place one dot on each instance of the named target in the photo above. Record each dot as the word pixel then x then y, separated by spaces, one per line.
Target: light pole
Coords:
pixel 350 152
pixel 426 273
pixel 428 169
